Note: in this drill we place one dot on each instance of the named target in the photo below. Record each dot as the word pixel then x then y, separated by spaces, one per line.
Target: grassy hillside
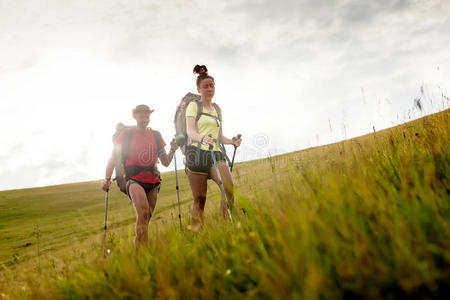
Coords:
pixel 364 217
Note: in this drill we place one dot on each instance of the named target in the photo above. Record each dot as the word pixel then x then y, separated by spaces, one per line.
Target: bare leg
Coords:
pixel 227 183
pixel 143 212
pixel 152 196
pixel 199 188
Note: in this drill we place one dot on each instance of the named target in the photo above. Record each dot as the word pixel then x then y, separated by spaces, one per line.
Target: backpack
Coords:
pixel 180 118
pixel 123 172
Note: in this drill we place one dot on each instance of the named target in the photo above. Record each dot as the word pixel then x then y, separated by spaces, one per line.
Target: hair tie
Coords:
pixel 202 71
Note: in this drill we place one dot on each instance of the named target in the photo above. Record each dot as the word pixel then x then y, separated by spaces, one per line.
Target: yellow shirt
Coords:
pixel 206 125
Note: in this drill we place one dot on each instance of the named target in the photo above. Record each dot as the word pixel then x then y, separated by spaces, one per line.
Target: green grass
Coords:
pixel 367 217
pixel 66 214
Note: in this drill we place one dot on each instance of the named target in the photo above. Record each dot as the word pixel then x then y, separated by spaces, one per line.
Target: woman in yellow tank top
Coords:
pixel 203 133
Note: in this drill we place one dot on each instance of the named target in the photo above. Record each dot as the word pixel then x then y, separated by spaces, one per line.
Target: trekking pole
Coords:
pixel 104 227
pixel 220 181
pixel 234 153
pixel 178 188
pixel 106 208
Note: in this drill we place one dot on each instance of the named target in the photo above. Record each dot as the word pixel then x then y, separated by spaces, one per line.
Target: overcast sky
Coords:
pixel 289 74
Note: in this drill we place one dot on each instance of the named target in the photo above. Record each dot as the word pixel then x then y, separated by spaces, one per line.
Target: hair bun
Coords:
pixel 200 70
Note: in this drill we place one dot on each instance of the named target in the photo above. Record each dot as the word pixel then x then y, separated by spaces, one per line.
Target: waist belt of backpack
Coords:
pixel 135 170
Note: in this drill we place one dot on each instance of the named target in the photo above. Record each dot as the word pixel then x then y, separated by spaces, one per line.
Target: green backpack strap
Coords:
pixel 219 112
pixel 199 112
pixel 159 151
pixel 158 139
pixel 221 144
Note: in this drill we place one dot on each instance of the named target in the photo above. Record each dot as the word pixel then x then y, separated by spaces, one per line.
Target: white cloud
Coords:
pixel 285 70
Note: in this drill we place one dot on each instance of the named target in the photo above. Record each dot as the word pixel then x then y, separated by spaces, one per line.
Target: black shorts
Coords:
pixel 148 187
pixel 200 161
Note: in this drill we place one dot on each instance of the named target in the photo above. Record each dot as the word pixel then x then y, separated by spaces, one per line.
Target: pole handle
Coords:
pixel 210 146
pixel 236 138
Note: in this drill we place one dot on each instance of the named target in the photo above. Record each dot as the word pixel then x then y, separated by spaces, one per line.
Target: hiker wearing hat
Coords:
pixel 205 130
pixel 143 147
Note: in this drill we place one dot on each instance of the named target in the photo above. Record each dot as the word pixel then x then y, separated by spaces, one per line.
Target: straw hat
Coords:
pixel 143 108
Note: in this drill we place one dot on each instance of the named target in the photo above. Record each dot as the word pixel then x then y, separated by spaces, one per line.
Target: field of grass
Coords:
pixel 367 217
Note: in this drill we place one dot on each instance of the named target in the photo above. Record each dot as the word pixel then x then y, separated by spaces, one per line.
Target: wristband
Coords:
pixel 201 140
